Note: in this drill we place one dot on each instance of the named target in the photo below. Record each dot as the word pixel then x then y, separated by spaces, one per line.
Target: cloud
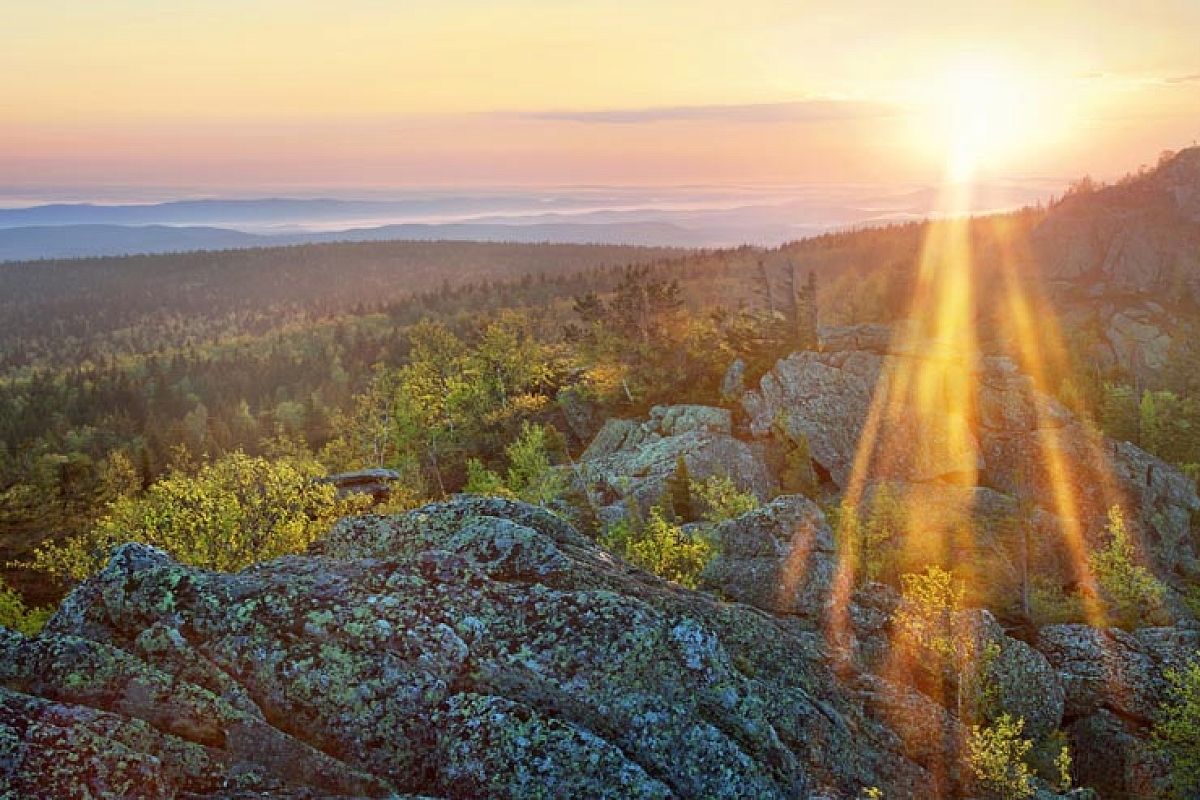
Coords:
pixel 814 110
pixel 1193 78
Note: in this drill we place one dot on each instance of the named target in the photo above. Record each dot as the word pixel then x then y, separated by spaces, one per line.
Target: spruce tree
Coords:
pixel 679 492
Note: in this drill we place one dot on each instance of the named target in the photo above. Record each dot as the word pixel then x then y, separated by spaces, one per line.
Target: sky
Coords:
pixel 268 94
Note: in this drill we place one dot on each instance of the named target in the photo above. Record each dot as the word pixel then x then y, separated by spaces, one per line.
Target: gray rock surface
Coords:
pixel 634 460
pixel 477 648
pixel 779 558
pixel 1103 668
pixel 1020 442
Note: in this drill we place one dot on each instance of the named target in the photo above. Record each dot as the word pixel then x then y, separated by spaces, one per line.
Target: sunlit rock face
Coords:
pixel 1142 235
pixel 1006 436
pixel 634 459
pixel 476 648
pixel 1107 255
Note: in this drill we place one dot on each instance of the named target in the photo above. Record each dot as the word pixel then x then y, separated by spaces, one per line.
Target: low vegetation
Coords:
pixel 229 514
pixel 1177 729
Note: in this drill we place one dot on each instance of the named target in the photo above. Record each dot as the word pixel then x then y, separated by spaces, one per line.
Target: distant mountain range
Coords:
pixel 81 241
pixel 676 217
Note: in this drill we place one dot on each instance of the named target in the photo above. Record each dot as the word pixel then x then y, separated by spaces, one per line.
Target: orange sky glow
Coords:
pixel 265 93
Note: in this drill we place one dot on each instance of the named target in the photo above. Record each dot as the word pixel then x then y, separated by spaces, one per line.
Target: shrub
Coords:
pixel 996 757
pixel 1050 760
pixel 1132 592
pixel 797 475
pixel 1049 604
pixel 867 543
pixel 18 616
pixel 231 513
pixel 931 618
pixel 1176 733
pixel 660 546
pixel 530 475
pixel 721 500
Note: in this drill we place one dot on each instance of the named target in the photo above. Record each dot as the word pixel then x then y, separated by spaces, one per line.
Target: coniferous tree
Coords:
pixel 679 492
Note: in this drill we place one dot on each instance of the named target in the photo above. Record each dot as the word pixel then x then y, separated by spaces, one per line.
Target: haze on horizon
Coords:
pixel 263 95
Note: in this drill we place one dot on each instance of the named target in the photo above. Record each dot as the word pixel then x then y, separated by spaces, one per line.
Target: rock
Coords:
pixel 827 397
pixel 1110 756
pixel 374 482
pixel 733 384
pixel 1020 442
pixel 1139 344
pixel 1103 668
pixel 678 420
pixel 1137 237
pixel 581 412
pixel 478 647
pixel 1024 682
pixel 630 460
pixel 936 513
pixel 779 558
pixel 610 439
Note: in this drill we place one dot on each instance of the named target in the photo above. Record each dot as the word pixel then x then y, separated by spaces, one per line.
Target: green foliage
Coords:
pixel 1132 593
pixel 930 618
pixel 679 492
pixel 797 475
pixel 1050 759
pixel 530 475
pixel 1049 604
pixel 1119 412
pixel 660 546
pixel 481 480
pixel 867 543
pixel 931 601
pixel 720 499
pixel 1170 426
pixel 1176 732
pixel 231 513
pixel 1062 768
pixel 18 616
pixel 996 757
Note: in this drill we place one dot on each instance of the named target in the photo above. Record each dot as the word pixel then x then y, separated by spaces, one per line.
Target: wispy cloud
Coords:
pixel 813 110
pixel 1141 78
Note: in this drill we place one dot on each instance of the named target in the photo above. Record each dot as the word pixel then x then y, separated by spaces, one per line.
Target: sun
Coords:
pixel 985 112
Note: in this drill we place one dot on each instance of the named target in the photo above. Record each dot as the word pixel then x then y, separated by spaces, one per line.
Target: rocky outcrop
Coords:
pixel 1113 669
pixel 376 483
pixel 634 460
pixel 1114 683
pixel 1016 441
pixel 477 648
pixel 779 558
pixel 1139 236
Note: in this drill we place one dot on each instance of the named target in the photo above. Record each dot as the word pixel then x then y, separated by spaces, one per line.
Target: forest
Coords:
pixel 121 371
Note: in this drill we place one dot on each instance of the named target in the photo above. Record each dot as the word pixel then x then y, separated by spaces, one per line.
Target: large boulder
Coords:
pixel 779 558
pixel 475 648
pixel 1103 668
pixel 1013 439
pixel 631 460
pixel 1136 237
pixel 1111 756
pixel 1021 680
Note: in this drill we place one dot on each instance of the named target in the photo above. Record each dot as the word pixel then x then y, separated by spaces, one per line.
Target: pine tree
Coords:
pixel 679 492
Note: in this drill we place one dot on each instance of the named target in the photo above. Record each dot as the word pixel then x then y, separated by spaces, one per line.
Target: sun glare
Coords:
pixel 985 111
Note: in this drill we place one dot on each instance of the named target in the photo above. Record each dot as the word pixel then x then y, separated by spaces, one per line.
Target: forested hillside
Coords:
pixel 117 370
pixel 698 414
